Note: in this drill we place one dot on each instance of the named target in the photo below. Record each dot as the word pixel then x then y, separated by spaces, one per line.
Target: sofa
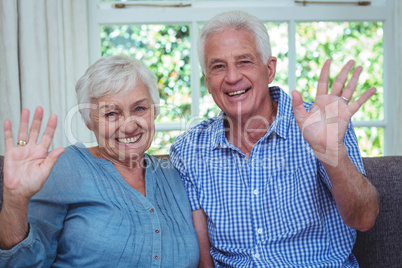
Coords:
pixel 382 245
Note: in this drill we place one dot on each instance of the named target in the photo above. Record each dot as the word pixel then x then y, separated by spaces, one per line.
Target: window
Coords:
pixel 302 38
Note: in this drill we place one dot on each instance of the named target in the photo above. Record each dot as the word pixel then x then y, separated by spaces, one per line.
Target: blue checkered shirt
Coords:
pixel 273 209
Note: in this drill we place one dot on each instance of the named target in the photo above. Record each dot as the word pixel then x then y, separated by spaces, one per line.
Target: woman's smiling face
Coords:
pixel 124 124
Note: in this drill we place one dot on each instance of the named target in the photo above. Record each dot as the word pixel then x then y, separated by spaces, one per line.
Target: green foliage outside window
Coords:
pixel 166 50
pixel 371 140
pixel 342 41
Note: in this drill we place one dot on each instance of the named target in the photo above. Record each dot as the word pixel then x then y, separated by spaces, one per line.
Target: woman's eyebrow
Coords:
pixel 141 101
pixel 113 105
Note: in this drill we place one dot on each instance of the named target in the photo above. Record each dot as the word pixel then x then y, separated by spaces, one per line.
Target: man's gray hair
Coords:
pixel 110 76
pixel 239 21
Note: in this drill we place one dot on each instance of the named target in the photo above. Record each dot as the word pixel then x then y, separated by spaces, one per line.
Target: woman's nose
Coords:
pixel 129 125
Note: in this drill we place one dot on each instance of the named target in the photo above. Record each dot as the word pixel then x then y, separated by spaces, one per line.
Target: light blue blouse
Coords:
pixel 86 215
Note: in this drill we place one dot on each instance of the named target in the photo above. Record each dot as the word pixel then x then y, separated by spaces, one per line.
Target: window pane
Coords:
pixel 163 141
pixel 371 140
pixel 208 108
pixel 342 41
pixel 279 42
pixel 165 49
pixel 278 34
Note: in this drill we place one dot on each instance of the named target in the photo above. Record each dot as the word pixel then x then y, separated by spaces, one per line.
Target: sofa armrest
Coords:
pixel 382 245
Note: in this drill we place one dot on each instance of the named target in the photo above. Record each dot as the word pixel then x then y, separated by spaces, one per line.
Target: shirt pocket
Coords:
pixel 299 201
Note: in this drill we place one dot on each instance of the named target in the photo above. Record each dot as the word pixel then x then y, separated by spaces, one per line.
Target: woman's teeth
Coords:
pixel 129 140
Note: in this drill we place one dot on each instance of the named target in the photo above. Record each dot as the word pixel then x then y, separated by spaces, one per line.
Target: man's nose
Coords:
pixel 232 75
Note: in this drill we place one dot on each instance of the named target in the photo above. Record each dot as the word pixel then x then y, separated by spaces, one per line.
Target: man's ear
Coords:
pixel 271 65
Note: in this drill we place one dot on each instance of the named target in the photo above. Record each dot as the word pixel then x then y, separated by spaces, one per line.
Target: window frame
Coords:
pixel 102 13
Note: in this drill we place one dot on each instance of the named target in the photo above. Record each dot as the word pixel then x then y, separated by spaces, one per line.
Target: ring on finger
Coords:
pixel 22 143
pixel 345 99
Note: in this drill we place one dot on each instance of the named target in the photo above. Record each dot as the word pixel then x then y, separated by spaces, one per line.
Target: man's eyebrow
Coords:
pixel 216 60
pixel 239 57
pixel 244 56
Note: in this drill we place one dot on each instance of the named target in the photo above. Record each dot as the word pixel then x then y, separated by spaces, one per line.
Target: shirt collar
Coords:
pixel 218 135
pixel 284 113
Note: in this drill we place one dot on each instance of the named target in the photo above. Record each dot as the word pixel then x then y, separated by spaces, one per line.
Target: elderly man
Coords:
pixel 273 181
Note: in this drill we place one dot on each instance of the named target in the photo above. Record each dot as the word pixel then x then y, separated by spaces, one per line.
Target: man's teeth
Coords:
pixel 129 140
pixel 236 93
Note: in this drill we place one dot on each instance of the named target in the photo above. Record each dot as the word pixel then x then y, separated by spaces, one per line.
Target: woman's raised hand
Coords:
pixel 27 163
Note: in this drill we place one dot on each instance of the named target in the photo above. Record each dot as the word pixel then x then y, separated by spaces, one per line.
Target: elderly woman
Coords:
pixel 107 206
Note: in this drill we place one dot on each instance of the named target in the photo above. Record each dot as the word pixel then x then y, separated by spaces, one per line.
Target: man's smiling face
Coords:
pixel 235 74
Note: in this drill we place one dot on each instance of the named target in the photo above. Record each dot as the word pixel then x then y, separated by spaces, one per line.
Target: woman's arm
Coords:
pixel 26 168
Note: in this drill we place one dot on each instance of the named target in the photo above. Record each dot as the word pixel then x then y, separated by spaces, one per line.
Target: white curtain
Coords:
pixel 397 96
pixel 43 52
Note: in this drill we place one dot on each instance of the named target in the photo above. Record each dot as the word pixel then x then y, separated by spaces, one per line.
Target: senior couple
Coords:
pixel 271 182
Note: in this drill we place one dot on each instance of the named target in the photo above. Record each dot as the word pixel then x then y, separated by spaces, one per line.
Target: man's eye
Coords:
pixel 217 67
pixel 139 109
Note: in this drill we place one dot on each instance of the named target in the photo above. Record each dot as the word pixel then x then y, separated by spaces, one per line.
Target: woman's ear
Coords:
pixel 89 126
pixel 153 114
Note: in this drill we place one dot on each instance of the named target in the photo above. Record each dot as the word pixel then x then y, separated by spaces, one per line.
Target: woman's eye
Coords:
pixel 139 109
pixel 110 114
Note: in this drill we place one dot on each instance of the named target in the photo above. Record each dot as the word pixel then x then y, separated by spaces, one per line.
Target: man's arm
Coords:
pixel 356 198
pixel 201 226
pixel 324 128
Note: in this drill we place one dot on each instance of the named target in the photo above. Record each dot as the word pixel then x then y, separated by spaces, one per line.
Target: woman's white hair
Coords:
pixel 110 76
pixel 239 21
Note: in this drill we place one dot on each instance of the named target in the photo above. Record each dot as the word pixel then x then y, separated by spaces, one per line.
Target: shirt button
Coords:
pixel 156 257
pixel 255 192
pixel 151 210
pixel 259 231
pixel 256 255
pixel 157 231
